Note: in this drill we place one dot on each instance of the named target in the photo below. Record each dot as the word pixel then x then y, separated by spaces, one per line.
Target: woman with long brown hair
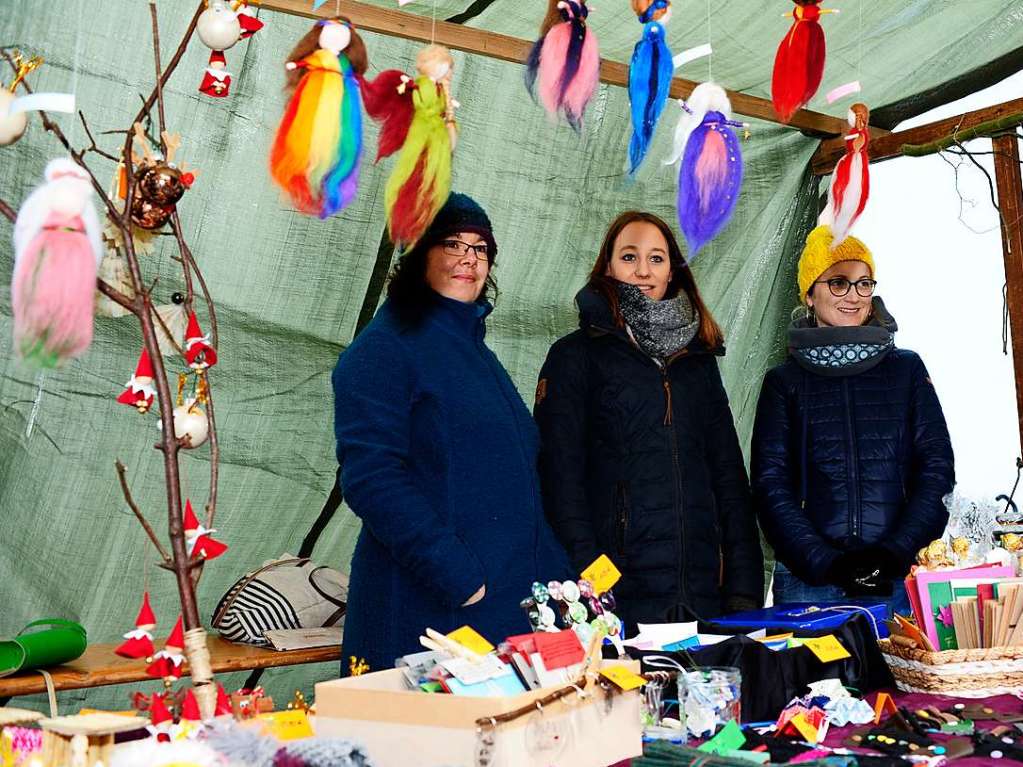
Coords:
pixel 639 456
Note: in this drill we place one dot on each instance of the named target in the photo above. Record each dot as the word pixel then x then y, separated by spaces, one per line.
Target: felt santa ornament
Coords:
pixel 138 643
pixel 223 702
pixel 190 708
pixel 160 720
pixel 167 663
pixel 248 22
pixel 216 80
pixel 139 391
pixel 198 539
pixel 198 352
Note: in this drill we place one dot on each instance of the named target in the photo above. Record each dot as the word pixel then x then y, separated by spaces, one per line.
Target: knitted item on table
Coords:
pixel 321 752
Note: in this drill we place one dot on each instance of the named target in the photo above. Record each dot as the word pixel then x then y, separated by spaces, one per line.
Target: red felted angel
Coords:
pixel 139 391
pixel 198 539
pixel 850 183
pixel 167 663
pixel 799 63
pixel 216 80
pixel 248 22
pixel 198 352
pixel 139 642
pixel 160 720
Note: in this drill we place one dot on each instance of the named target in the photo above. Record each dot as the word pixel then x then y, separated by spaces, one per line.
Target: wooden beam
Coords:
pixel 1010 203
pixel 396 23
pixel 888 146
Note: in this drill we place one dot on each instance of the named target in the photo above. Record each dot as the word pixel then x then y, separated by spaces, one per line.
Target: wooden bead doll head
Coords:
pixel 355 50
pixel 435 61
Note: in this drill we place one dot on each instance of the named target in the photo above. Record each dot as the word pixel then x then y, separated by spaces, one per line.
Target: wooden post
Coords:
pixel 1010 202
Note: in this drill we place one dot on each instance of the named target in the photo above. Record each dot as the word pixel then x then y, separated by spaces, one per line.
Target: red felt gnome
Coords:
pixel 190 708
pixel 139 391
pixel 138 643
pixel 167 663
pixel 198 352
pixel 198 539
pixel 160 720
pixel 216 80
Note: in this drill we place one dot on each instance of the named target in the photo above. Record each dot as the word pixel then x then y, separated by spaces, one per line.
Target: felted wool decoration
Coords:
pixel 113 270
pixel 246 747
pixel 139 391
pixel 170 327
pixel 160 719
pixel 567 61
pixel 850 183
pixel 57 249
pixel 216 80
pixel 198 540
pixel 418 116
pixel 167 662
pixel 198 352
pixel 799 62
pixel 710 175
pixel 315 155
pixel 650 74
pixel 138 643
pixel 190 707
pixel 223 702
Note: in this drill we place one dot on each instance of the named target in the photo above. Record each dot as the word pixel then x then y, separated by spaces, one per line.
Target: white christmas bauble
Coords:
pixel 190 420
pixel 335 37
pixel 11 126
pixel 218 26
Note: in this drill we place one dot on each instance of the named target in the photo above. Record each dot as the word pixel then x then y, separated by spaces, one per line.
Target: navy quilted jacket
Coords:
pixel 842 462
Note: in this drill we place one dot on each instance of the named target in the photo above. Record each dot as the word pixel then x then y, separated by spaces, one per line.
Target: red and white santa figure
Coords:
pixel 198 540
pixel 198 352
pixel 138 643
pixel 167 663
pixel 139 391
pixel 161 722
pixel 248 21
pixel 190 708
pixel 216 80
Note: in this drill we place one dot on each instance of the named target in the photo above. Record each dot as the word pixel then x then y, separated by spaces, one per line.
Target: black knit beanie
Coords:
pixel 460 213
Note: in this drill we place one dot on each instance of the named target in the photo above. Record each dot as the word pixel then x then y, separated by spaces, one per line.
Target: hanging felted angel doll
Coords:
pixel 418 117
pixel 315 155
pixel 710 174
pixel 57 250
pixel 566 60
pixel 850 183
pixel 650 74
pixel 799 62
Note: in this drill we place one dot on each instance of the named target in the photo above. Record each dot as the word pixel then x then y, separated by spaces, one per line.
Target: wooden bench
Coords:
pixel 99 666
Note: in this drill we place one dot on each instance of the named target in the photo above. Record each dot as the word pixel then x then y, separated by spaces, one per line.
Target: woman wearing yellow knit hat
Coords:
pixel 851 456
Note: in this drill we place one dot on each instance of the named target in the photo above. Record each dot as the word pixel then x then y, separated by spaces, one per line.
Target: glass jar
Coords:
pixel 709 698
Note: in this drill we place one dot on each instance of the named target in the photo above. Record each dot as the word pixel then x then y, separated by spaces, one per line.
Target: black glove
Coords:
pixel 890 565
pixel 859 574
pixel 740 604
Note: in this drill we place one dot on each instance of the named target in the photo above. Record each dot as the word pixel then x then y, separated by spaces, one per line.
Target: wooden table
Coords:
pixel 98 666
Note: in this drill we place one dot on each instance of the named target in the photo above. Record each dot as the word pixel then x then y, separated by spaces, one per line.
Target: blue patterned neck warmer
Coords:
pixel 842 351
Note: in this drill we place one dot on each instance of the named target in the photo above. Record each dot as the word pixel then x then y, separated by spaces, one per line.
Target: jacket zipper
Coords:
pixel 677 473
pixel 623 516
pixel 853 471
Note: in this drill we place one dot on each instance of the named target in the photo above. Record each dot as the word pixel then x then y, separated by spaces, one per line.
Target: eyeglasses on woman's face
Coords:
pixel 458 249
pixel 840 286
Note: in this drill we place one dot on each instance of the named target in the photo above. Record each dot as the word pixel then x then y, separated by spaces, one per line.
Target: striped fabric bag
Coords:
pixel 287 593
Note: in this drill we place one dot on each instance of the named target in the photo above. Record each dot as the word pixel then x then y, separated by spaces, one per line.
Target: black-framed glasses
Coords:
pixel 840 286
pixel 457 248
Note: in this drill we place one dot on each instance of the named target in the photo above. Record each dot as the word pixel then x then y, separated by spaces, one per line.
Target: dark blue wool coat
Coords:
pixel 839 462
pixel 438 458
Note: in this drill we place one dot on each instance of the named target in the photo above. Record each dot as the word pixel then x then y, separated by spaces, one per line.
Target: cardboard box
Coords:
pixel 399 727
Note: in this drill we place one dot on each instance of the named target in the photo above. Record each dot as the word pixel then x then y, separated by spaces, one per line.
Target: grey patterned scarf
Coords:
pixel 842 351
pixel 661 328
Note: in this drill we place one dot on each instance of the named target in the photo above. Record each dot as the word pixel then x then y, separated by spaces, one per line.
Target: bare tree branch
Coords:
pixel 134 507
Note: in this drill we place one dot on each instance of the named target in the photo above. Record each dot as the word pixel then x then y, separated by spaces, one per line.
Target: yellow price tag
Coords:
pixel 602 574
pixel 471 639
pixel 623 677
pixel 827 648
pixel 287 725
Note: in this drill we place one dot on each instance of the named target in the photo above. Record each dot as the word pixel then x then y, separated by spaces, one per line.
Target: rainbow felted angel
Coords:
pixel 850 183
pixel 650 74
pixel 710 174
pixel 418 117
pixel 566 60
pixel 315 155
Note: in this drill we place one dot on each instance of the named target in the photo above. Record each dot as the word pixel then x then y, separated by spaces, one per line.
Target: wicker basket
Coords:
pixel 963 673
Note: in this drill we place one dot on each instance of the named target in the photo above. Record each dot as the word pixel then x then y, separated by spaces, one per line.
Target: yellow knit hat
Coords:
pixel 818 256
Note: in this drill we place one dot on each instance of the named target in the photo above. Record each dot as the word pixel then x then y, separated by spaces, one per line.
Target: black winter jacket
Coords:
pixel 643 464
pixel 839 463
